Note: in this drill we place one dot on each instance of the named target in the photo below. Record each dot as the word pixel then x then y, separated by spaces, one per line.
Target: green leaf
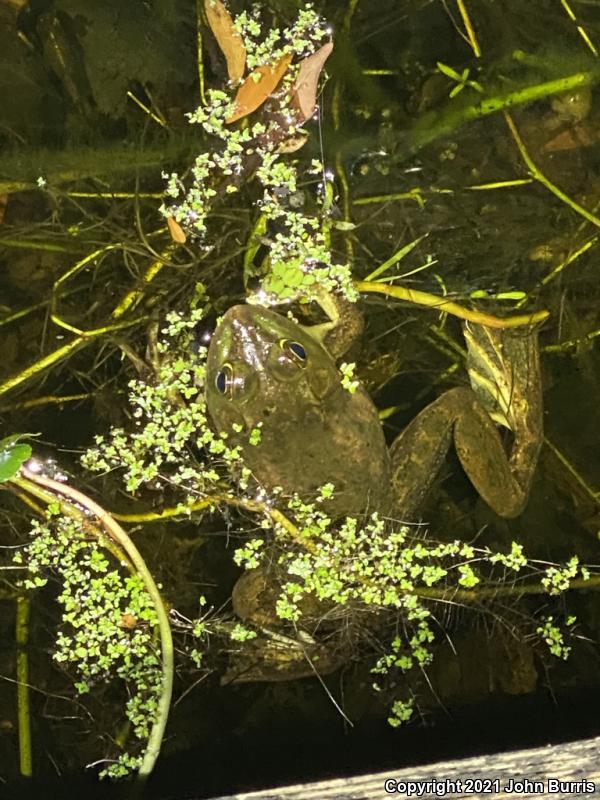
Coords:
pixel 446 70
pixel 398 256
pixel 511 295
pixel 12 456
pixel 458 88
pixel 342 225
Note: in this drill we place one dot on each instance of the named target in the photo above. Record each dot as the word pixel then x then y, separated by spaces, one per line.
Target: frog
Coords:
pixel 266 371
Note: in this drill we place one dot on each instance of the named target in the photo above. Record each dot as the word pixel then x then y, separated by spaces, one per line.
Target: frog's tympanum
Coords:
pixel 263 369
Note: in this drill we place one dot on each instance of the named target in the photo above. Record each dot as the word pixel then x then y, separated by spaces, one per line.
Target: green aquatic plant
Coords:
pixel 108 620
pixel 299 256
pixel 461 78
pixel 554 636
pixel 13 453
pixel 100 604
pixel 382 566
pixel 172 442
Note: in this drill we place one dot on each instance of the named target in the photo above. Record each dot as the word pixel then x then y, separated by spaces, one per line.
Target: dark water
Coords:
pixel 65 70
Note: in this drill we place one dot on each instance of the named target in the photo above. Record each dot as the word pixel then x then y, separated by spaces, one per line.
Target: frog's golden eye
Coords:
pixel 294 349
pixel 224 379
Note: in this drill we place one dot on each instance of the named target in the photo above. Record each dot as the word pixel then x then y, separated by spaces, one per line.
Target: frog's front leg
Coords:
pixel 345 326
pixel 504 369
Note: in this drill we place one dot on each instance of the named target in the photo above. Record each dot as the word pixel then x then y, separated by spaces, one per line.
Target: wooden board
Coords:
pixel 576 765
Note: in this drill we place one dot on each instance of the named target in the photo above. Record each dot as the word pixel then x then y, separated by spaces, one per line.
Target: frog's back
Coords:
pixel 339 441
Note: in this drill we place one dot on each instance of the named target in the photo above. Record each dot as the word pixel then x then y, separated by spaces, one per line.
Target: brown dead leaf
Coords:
pixel 304 95
pixel 228 39
pixel 261 83
pixel 572 139
pixel 176 231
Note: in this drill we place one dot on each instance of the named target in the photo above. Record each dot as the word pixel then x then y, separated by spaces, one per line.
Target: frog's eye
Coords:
pixel 224 379
pixel 293 349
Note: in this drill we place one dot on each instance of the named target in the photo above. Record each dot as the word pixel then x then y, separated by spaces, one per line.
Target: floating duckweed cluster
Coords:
pixel 301 38
pixel 172 442
pixel 553 636
pixel 385 566
pixel 299 253
pixel 107 622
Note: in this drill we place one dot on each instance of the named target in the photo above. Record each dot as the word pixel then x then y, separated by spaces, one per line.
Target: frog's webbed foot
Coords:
pixel 504 371
pixel 274 655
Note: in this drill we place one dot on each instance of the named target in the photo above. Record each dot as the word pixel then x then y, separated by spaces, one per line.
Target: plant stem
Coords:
pixel 434 125
pixel 472 38
pixel 539 176
pixel 23 706
pixel 442 304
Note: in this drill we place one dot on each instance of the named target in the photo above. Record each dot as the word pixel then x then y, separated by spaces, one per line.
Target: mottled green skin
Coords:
pixel 313 430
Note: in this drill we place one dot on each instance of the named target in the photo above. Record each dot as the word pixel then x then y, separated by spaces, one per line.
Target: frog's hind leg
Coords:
pixel 504 370
pixel 483 457
pixel 418 451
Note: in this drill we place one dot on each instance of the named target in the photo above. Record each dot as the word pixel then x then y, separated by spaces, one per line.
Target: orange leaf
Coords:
pixel 261 83
pixel 176 231
pixel 228 39
pixel 304 97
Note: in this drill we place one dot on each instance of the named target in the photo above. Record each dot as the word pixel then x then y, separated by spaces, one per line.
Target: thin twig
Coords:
pixel 471 36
